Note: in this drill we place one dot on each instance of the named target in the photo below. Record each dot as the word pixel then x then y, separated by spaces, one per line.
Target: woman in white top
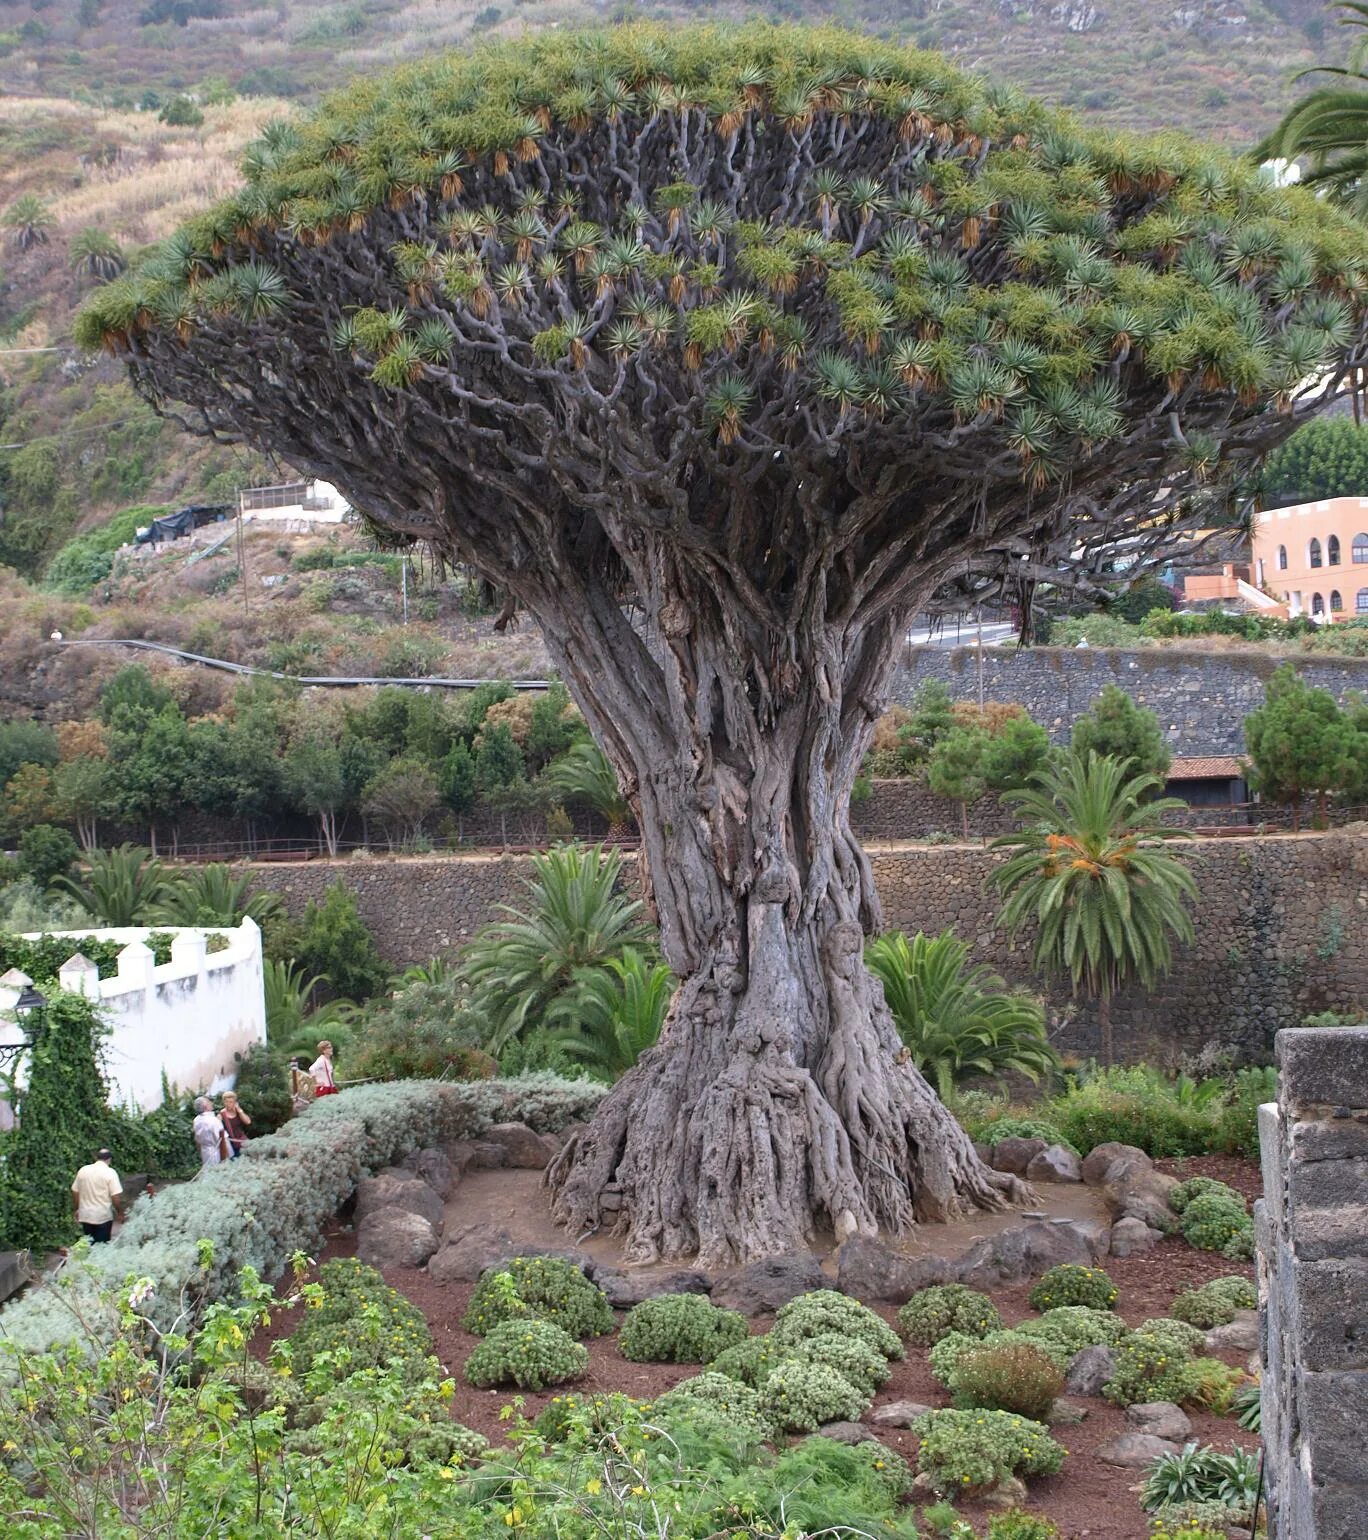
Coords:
pixel 321 1069
pixel 210 1139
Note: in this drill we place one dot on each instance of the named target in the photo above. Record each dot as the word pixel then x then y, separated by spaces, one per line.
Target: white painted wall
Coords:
pixel 187 1018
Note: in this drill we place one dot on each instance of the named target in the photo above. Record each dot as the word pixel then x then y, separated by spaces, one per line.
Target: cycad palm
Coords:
pixel 212 895
pixel 582 774
pixel 119 887
pixel 1329 125
pixel 957 1020
pixel 613 1014
pixel 518 968
pixel 1088 872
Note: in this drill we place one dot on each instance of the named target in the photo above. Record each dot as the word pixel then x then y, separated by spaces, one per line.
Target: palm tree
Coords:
pixel 291 1021
pixel 1087 872
pixel 957 1020
pixel 582 774
pixel 120 887
pixel 28 220
pixel 94 254
pixel 212 895
pixel 1329 125
pixel 519 967
pixel 614 1013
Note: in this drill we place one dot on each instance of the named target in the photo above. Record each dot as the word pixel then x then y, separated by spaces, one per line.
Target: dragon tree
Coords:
pixel 722 353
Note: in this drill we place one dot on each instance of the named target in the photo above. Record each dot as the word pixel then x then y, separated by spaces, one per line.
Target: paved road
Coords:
pixel 963 634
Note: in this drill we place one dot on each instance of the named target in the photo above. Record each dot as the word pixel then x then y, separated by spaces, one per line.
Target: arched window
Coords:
pixel 1313 554
pixel 1332 551
pixel 1360 549
pixel 1336 601
pixel 1361 602
pixel 1317 605
pixel 1282 554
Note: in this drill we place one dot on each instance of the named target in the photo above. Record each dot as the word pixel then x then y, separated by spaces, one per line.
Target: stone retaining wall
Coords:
pixel 1201 698
pixel 1282 929
pixel 1312 1230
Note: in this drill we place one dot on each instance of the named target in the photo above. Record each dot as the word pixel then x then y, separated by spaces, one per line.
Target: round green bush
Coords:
pixel 679 1329
pixel 1012 1377
pixel 737 1404
pixel 851 1358
pixel 948 1353
pixel 945 1307
pixel 538 1288
pixel 1183 1337
pixel 963 1452
pixel 1022 1128
pixel 529 1353
pixel 749 1362
pixel 1017 1524
pixel 800 1396
pixel 1200 1187
pixel 1071 1284
pixel 1149 1367
pixel 824 1312
pixel 1214 1222
pixel 1075 1327
pixel 1215 1303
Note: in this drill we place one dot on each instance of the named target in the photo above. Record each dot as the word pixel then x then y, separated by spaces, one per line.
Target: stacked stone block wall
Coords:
pixel 1313 1285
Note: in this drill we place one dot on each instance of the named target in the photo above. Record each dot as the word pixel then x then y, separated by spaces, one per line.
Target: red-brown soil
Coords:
pixel 1088 1499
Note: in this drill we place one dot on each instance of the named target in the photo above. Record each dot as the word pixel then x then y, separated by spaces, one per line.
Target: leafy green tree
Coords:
pixel 401 799
pixel 956 1020
pixel 336 944
pixel 456 780
pixel 1134 603
pixel 120 887
pixel 528 970
pixel 584 776
pixel 181 112
pixel 933 716
pixel 554 726
pixel 1017 751
pixel 25 743
pixel 956 768
pixel 29 798
pixel 46 853
pixel 1088 875
pixel 132 697
pixel 775 337
pixel 1302 745
pixel 84 791
pixel 498 759
pixel 1326 458
pixel 315 779
pixel 1116 727
pixel 157 772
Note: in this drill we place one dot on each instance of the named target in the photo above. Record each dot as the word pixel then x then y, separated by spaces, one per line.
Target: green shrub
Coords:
pixel 945 1357
pixel 1149 1367
pixel 1202 1474
pixel 1016 1524
pixel 1014 1377
pixel 728 1398
pixel 336 945
pixel 1213 1384
pixel 1182 1337
pixel 1136 1105
pixel 538 1288
pixel 816 1487
pixel 945 1307
pixel 679 1329
pixel 586 1419
pixel 46 852
pixel 799 1396
pixel 1075 1327
pixel 854 1360
pixel 1200 1187
pixel 998 1129
pixel 1071 1284
pixel 750 1361
pixel 359 1312
pixel 969 1451
pixel 1215 1303
pixel 1214 1222
pixel 529 1353
pixel 823 1312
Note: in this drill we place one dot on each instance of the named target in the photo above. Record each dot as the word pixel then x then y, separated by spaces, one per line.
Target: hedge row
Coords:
pixel 258 1211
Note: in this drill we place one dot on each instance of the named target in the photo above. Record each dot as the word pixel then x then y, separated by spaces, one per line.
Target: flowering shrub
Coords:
pixel 1215 1303
pixel 1149 1367
pixel 1200 1187
pixel 823 1312
pixel 528 1353
pixel 1017 1524
pixel 1217 1221
pixel 799 1396
pixel 583 1419
pixel 749 1361
pixel 947 1354
pixel 1075 1327
pixel 935 1312
pixel 538 1288
pixel 738 1404
pixel 362 1323
pixel 1070 1284
pixel 679 1329
pixel 998 1129
pixel 1180 1336
pixel 1014 1377
pixel 854 1360
pixel 969 1451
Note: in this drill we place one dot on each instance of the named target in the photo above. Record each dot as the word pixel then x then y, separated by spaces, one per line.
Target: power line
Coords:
pixel 94 427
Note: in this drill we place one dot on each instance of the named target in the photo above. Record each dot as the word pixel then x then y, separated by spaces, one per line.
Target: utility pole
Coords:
pixel 242 555
pixel 403 581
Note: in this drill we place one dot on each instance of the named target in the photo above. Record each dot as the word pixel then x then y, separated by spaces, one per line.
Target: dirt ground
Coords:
pixel 1088 1499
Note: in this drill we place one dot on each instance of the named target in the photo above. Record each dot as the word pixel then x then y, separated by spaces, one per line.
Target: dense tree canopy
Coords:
pixel 779 335
pixel 1328 458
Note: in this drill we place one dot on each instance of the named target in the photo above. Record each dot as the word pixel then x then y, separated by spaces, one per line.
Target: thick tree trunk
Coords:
pixel 779 1101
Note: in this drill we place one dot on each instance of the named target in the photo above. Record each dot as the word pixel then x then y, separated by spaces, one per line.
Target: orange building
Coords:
pixel 1314 557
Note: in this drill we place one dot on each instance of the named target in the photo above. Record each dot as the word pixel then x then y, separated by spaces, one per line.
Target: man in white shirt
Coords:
pixel 95 1193
pixel 210 1138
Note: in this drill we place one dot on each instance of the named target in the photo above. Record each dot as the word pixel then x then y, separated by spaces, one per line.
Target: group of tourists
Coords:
pixel 219 1135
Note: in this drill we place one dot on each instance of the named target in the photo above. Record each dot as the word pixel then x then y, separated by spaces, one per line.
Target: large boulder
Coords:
pixel 847 1432
pixel 761 1287
pixel 395 1237
pixel 1133 1189
pixel 1015 1154
pixel 395 1187
pixel 435 1168
pixel 899 1414
pixel 1089 1371
pixel 1164 1419
pixel 476 1155
pixel 1134 1451
pixel 476 1248
pixel 867 1269
pixel 1026 1251
pixel 1133 1238
pixel 1054 1164
pixel 523 1148
pixel 625 1289
pixel 1097 1160
pixel 1239 1336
